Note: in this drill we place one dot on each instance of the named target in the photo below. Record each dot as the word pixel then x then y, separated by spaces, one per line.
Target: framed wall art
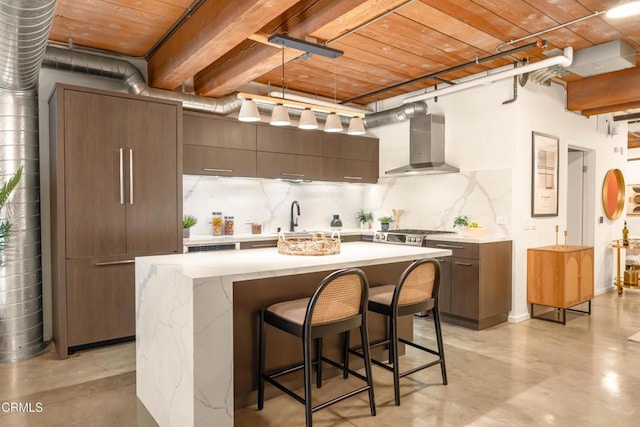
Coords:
pixel 544 174
pixel 632 197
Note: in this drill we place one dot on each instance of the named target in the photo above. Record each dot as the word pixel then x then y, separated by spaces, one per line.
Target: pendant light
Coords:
pixel 333 123
pixel 308 120
pixel 280 114
pixel 624 9
pixel 249 111
pixel 356 126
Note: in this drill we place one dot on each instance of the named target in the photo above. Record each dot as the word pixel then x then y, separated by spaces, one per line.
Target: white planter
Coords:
pixel 473 232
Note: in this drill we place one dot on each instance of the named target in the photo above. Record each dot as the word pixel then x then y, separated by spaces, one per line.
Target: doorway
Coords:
pixel 580 197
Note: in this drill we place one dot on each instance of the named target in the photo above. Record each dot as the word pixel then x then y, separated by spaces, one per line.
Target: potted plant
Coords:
pixel 5 191
pixel 384 222
pixel 188 221
pixel 364 218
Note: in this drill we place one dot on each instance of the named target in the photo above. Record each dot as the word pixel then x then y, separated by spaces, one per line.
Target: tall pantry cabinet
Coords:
pixel 116 193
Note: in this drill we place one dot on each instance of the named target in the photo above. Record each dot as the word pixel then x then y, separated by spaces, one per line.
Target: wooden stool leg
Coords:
pixel 345 360
pixel 261 362
pixel 438 326
pixel 319 362
pixel 306 349
pixel 393 343
pixel 367 365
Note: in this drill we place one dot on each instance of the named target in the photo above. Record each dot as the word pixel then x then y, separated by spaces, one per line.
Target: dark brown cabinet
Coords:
pixel 475 283
pixel 116 193
pixel 350 158
pixel 218 146
pixel 226 147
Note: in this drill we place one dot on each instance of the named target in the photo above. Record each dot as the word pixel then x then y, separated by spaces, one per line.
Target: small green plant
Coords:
pixel 364 217
pixel 189 221
pixel 461 221
pixel 5 191
pixel 385 220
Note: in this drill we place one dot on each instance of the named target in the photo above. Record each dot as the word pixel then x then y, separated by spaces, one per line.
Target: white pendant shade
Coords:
pixel 356 127
pixel 333 123
pixel 308 120
pixel 249 111
pixel 624 9
pixel 280 116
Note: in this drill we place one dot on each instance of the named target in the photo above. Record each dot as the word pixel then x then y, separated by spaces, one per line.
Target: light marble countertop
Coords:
pixel 267 262
pixel 200 240
pixel 462 239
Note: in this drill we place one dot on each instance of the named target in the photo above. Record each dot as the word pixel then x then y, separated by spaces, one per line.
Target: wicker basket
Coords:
pixel 309 246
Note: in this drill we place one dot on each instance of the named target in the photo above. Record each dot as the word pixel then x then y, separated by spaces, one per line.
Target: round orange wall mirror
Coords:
pixel 613 193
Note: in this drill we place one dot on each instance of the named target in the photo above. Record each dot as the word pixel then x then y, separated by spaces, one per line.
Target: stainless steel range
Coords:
pixel 406 236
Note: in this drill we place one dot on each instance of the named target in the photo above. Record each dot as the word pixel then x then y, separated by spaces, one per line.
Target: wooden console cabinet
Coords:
pixel 559 276
pixel 116 193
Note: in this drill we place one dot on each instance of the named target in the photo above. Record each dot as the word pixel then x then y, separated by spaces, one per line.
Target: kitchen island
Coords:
pixel 185 320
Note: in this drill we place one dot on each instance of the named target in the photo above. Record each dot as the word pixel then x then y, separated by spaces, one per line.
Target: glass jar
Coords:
pixel 228 225
pixel 216 223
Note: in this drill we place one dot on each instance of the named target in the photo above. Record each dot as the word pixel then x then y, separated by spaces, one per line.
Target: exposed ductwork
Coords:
pixel 563 60
pixel 24 30
pixel 395 115
pixel 74 61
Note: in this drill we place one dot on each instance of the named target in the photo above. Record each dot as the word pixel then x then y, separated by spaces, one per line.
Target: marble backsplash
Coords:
pixel 268 202
pixel 433 201
pixel 426 201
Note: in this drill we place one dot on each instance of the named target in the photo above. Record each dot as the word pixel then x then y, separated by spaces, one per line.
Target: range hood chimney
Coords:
pixel 426 147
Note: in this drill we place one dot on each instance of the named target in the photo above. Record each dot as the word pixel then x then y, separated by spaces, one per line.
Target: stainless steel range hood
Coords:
pixel 426 147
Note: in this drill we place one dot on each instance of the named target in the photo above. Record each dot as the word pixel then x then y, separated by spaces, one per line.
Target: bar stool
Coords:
pixel 416 291
pixel 338 305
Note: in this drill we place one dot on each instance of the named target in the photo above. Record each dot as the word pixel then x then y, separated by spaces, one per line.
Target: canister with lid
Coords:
pixel 216 223
pixel 228 225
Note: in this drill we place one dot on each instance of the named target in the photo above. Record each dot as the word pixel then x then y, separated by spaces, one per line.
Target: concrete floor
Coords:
pixel 532 373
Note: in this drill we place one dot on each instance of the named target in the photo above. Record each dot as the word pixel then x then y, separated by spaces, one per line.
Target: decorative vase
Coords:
pixel 336 222
pixel 384 226
pixel 186 232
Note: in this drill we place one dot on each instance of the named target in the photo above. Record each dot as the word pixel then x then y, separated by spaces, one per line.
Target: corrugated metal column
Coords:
pixel 24 30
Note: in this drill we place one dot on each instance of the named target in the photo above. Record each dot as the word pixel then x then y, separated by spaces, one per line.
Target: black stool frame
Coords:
pixel 393 311
pixel 308 332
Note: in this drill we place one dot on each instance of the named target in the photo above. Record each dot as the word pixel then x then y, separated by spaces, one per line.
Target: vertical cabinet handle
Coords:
pixel 121 177
pixel 131 176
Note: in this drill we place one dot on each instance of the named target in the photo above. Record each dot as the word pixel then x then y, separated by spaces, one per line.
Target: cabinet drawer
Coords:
pixel 100 299
pixel 289 166
pixel 202 129
pixel 351 147
pixel 201 160
pixel 289 141
pixel 347 170
pixel 458 249
pixel 258 244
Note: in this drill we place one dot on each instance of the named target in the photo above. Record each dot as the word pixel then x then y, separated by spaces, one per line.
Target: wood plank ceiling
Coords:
pixel 220 46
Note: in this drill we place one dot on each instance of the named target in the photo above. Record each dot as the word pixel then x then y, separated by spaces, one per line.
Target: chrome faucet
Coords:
pixel 293 223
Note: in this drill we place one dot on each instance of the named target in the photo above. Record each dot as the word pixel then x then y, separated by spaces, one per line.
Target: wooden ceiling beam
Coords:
pixel 325 20
pixel 215 28
pixel 603 93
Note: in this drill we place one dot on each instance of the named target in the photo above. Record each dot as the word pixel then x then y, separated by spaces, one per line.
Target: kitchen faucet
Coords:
pixel 293 223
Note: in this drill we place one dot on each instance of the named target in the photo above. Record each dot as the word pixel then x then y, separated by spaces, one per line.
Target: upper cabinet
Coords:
pixel 226 147
pixel 218 146
pixel 350 158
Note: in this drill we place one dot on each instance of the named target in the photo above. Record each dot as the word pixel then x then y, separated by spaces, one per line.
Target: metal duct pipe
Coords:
pixel 74 61
pixel 24 29
pixel 395 115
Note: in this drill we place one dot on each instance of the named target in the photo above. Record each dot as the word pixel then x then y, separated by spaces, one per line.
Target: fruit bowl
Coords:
pixel 473 231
